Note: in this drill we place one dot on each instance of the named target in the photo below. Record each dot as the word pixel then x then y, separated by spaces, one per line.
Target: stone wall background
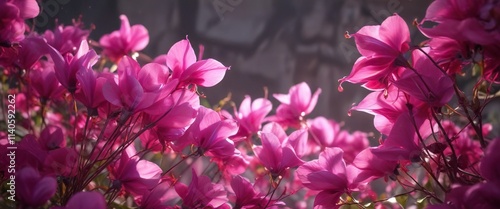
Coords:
pixel 273 43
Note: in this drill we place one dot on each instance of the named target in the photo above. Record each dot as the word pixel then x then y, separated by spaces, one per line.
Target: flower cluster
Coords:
pixel 101 126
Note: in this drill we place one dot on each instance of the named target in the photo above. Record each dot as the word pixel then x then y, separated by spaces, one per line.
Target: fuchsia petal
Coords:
pixel 27 8
pixel 180 56
pixel 85 200
pixel 275 129
pixel 300 96
pixel 205 73
pixel 331 159
pixel 394 31
pixel 139 38
pixel 489 164
pixel 271 152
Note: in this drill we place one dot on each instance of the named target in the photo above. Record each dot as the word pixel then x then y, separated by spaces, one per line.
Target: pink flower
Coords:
pixel 138 88
pixel 44 81
pixel 464 20
pixel 28 53
pixel 403 142
pixel 201 193
pixel 124 41
pixel 85 200
pixel 427 83
pixel 351 144
pixel 251 115
pixel 277 154
pixel 210 133
pixel 181 60
pixel 51 138
pixel 295 105
pixel 160 197
pixel 323 131
pixel 32 189
pixel 90 91
pixel 488 167
pixel 135 175
pixel 62 161
pixel 330 175
pixel 450 54
pixel 385 106
pixel 375 166
pixel 67 39
pixel 245 194
pixel 182 107
pixel 13 14
pixel 382 47
pixel 84 59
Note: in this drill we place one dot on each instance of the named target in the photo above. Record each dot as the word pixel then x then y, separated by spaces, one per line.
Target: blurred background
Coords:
pixel 267 43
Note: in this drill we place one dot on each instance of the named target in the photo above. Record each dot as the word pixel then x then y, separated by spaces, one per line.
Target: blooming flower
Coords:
pixel 201 193
pixel 211 134
pixel 13 14
pixel 138 88
pixel 295 105
pixel 276 154
pixel 245 194
pixel 135 175
pixel 84 200
pixel 330 175
pixel 84 58
pixel 382 47
pixel 124 41
pixel 181 60
pixel 66 39
pixel 34 189
pixel 44 81
pixel 251 115
pixel 427 83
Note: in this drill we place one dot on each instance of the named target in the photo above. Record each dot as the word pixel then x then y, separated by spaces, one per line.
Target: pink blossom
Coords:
pixel 124 41
pixel 382 47
pixel 210 133
pixel 251 115
pixel 245 194
pixel 201 193
pixel 85 200
pixel 463 20
pixel 62 161
pixel 275 154
pixel 375 166
pixel 403 142
pixel 84 58
pixel 135 175
pixel 52 138
pixel 162 196
pixel 13 14
pixel 450 54
pixel 427 83
pixel 323 131
pixel 34 189
pixel 351 144
pixel 330 175
pixel 295 105
pixel 44 81
pixel 66 39
pixel 28 53
pixel 179 112
pixel 488 167
pixel 137 88
pixel 181 60
pixel 90 91
pixel 385 106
